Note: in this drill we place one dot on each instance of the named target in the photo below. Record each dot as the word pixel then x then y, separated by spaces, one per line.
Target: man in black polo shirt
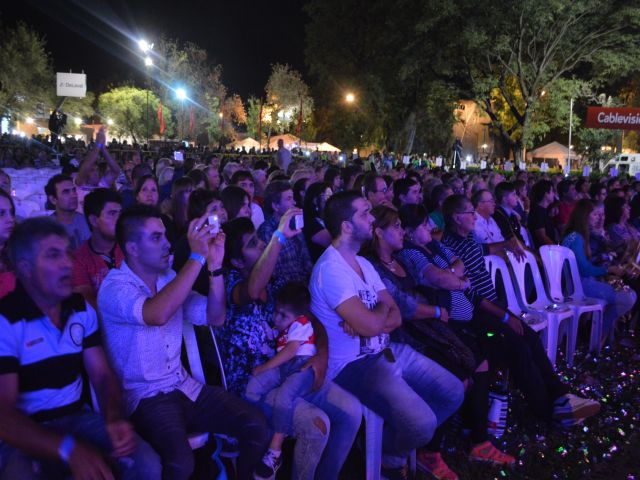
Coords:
pixel 47 336
pixel 505 338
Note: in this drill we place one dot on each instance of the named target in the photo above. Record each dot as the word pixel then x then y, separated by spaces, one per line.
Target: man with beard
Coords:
pixel 143 304
pixel 411 392
pixel 48 337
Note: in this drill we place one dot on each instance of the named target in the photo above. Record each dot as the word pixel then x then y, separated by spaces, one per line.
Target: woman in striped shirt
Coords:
pixel 396 263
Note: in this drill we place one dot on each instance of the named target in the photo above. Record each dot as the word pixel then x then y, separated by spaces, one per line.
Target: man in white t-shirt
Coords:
pixel 411 392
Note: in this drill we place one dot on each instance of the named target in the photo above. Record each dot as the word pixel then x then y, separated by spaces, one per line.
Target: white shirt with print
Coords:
pixel 333 282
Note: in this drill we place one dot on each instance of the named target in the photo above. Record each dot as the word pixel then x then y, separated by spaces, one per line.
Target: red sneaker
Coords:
pixel 432 462
pixel 486 452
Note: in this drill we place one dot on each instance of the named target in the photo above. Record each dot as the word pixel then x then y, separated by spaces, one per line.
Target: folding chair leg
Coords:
pixel 552 340
pixel 373 444
pixel 595 340
pixel 572 338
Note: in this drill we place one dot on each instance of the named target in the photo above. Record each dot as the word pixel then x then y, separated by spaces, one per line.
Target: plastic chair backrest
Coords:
pixel 494 265
pixel 520 273
pixel 193 352
pixel 554 258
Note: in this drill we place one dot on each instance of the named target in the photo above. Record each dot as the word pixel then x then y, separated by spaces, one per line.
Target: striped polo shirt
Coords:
pixel 472 255
pixel 47 360
pixel 460 303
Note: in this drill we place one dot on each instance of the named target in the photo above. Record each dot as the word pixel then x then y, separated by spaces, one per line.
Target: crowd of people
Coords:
pixel 328 287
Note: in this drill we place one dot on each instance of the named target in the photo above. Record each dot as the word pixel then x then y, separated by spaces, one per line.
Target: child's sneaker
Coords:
pixel 267 468
pixel 432 462
pixel 488 453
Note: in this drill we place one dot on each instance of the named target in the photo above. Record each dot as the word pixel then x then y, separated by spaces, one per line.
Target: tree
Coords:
pixel 81 108
pixel 253 117
pixel 186 65
pixel 127 107
pixel 397 74
pixel 514 51
pixel 26 75
pixel 287 93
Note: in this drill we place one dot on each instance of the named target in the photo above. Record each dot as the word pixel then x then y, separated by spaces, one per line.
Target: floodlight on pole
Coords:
pixel 144 45
pixel 148 62
pixel 109 121
pixel 350 98
pixel 29 120
pixel 181 94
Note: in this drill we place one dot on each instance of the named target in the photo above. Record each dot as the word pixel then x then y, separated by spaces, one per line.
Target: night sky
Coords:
pixel 244 36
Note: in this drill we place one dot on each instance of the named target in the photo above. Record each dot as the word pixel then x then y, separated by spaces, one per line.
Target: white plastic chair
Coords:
pixel 373 443
pixel 496 264
pixel 554 313
pixel 554 258
pixel 199 440
pixel 374 425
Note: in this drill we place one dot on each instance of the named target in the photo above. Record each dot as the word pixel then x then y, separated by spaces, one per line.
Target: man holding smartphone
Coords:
pixel 294 262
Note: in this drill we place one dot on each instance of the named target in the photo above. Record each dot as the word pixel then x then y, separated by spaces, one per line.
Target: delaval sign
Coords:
pixel 71 85
pixel 613 118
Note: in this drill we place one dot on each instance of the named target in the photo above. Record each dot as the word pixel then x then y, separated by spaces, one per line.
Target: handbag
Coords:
pixel 437 338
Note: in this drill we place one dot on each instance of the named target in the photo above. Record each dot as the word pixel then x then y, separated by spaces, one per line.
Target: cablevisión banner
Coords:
pixel 613 118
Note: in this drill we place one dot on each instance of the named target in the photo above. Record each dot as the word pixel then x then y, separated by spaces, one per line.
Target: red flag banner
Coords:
pixel 190 119
pixel 161 118
pixel 613 118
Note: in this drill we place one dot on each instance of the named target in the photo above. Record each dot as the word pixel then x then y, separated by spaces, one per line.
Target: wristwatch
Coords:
pixel 217 273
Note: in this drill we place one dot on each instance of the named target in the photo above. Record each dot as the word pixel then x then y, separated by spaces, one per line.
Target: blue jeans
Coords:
pixel 87 426
pixel 165 421
pixel 619 302
pixel 325 424
pixel 413 394
pixel 290 382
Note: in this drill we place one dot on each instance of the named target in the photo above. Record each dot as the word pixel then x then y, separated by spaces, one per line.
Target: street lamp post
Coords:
pixel 570 131
pixel 146 47
pixel 181 94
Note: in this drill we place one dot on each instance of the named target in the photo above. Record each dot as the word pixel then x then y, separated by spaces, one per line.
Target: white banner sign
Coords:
pixel 406 160
pixel 438 161
pixel 508 167
pixel 483 164
pixel 522 165
pixel 71 84
pixel 544 167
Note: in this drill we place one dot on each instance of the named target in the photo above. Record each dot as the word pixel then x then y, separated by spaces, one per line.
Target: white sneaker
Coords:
pixel 266 470
pixel 569 409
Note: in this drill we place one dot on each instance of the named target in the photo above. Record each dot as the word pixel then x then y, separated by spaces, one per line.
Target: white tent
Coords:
pixel 326 147
pixel 290 141
pixel 554 153
pixel 248 143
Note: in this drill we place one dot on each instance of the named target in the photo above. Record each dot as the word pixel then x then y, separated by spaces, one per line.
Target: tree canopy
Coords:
pixel 407 61
pixel 127 108
pixel 26 74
